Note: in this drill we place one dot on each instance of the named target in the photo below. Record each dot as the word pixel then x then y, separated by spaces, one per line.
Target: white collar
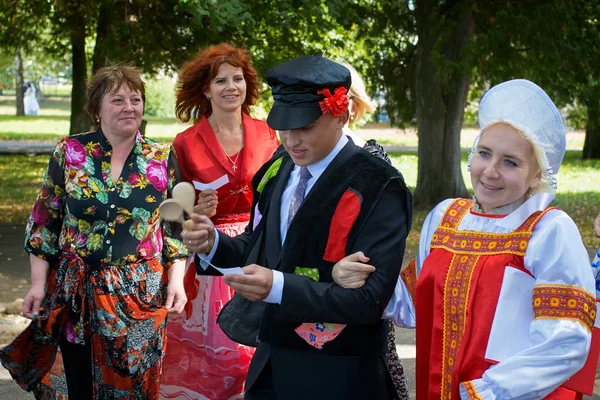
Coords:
pixel 317 168
pixel 536 203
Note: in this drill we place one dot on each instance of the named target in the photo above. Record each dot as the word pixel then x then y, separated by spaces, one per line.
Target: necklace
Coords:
pixel 233 162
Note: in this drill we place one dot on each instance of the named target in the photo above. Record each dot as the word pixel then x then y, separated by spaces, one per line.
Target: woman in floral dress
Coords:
pixel 105 270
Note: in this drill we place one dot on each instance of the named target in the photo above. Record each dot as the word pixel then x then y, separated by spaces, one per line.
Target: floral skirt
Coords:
pixel 395 365
pixel 127 322
pixel 201 362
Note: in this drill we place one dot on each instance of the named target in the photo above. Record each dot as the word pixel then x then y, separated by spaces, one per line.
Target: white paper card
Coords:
pixel 230 271
pixel 214 185
pixel 512 319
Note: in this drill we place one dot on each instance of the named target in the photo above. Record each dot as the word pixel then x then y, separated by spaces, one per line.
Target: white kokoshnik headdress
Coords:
pixel 526 107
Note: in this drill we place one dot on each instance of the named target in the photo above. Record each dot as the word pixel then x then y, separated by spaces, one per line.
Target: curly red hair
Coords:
pixel 195 77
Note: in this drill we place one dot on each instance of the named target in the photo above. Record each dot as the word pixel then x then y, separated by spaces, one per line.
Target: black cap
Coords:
pixel 295 84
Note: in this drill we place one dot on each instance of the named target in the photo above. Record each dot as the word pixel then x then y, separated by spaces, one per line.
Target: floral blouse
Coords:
pixel 81 209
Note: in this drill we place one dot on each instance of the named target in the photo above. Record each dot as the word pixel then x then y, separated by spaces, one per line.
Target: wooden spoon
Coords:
pixel 171 210
pixel 185 193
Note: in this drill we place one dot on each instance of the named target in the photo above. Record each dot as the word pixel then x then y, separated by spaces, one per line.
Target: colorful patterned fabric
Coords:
pixel 468 250
pixel 108 253
pixel 318 333
pixel 409 277
pixel 472 391
pixel 596 271
pixel 564 302
pixel 312 273
pixel 201 361
pixel 395 365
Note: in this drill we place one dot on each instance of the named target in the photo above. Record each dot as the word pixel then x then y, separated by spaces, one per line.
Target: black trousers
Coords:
pixel 78 369
pixel 263 388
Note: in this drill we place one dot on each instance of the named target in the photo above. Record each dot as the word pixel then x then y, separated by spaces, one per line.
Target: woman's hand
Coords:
pixel 597 226
pixel 207 203
pixel 351 272
pixel 33 300
pixel 35 295
pixel 176 297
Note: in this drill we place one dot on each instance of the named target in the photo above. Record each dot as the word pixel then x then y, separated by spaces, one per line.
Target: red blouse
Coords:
pixel 202 159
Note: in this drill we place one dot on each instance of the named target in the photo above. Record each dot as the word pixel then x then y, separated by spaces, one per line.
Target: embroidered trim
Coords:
pixel 456 298
pixel 556 302
pixel 455 213
pixel 467 247
pixel 409 276
pixel 271 172
pixel 472 391
pixel 448 237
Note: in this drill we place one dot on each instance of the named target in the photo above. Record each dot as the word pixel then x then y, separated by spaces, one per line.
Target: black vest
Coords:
pixel 307 238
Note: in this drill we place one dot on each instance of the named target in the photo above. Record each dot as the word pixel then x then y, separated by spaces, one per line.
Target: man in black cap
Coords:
pixel 318 200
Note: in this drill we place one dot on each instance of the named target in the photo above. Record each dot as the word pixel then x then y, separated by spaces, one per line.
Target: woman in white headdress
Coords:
pixel 30 103
pixel 501 287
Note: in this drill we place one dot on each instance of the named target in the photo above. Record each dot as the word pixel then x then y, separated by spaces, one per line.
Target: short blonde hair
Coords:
pixel 358 94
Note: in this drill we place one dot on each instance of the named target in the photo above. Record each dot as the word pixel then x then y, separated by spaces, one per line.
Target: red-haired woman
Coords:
pixel 216 90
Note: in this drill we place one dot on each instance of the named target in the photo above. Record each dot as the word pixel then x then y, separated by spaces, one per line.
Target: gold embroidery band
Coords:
pixel 409 276
pixel 456 302
pixel 472 391
pixel 564 302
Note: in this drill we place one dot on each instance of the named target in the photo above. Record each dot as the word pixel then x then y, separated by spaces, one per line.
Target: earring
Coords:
pixel 208 97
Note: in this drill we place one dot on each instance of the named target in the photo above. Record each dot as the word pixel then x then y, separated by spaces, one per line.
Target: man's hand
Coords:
pixel 597 226
pixel 198 234
pixel 351 272
pixel 255 285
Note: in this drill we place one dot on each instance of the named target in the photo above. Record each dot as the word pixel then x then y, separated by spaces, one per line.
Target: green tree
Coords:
pixel 555 44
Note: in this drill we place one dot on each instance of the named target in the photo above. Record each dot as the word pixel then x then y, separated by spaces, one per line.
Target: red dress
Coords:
pixel 456 296
pixel 201 361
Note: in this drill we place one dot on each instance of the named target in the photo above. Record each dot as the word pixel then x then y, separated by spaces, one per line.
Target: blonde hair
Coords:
pixel 358 94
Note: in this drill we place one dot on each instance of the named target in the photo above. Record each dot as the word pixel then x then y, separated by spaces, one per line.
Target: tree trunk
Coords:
pixel 80 120
pixel 440 104
pixel 100 58
pixel 19 82
pixel 591 146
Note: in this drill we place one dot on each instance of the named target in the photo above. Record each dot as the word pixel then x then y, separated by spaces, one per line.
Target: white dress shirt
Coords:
pixel 316 170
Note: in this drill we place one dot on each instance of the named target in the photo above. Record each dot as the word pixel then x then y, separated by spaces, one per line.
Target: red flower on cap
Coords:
pixel 336 104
